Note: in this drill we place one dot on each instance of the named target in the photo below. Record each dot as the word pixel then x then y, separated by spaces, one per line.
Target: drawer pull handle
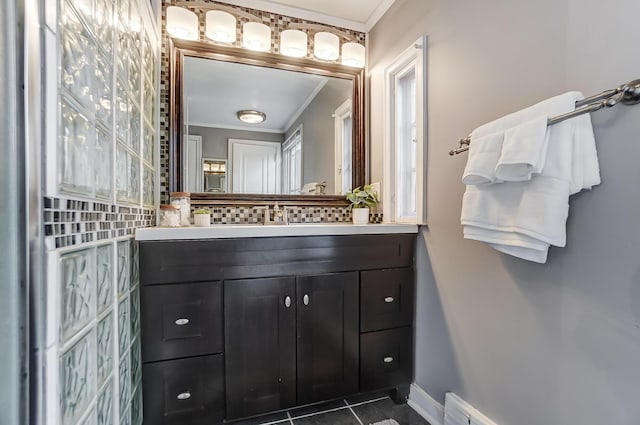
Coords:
pixel 287 302
pixel 182 322
pixel 305 299
pixel 389 300
pixel 388 359
pixel 184 396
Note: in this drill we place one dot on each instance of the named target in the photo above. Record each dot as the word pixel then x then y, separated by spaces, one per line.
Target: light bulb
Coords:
pixel 326 46
pixel 220 26
pixel 182 23
pixel 293 43
pixel 256 36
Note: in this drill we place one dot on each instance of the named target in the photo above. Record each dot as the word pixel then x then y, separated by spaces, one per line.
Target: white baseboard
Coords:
pixel 426 406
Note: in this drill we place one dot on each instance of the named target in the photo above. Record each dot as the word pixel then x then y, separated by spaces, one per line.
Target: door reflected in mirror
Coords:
pixel 214 175
pixel 303 145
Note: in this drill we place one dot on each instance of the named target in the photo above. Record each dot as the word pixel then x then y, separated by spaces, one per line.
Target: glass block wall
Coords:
pixel 100 159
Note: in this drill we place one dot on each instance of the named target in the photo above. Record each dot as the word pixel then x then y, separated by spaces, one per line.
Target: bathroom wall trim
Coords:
pixel 425 405
pixel 305 14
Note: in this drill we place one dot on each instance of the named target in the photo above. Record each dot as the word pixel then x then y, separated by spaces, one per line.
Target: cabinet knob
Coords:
pixel 388 359
pixel 305 299
pixel 184 396
pixel 287 301
pixel 182 322
pixel 388 300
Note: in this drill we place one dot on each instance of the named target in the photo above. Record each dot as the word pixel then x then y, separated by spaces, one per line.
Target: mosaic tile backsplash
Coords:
pixel 230 214
pixel 69 222
pixel 100 168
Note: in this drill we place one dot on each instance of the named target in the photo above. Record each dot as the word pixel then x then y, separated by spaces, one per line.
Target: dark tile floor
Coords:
pixel 354 411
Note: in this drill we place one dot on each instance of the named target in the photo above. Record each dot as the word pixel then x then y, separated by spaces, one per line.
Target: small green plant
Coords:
pixel 202 211
pixel 362 198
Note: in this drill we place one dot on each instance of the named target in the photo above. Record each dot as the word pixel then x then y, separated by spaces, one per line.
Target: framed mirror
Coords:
pixel 253 127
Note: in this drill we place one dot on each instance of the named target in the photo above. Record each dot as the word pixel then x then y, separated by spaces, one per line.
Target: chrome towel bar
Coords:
pixel 627 94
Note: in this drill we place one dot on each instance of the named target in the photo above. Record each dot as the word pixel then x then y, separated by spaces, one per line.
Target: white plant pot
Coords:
pixel 202 220
pixel 360 215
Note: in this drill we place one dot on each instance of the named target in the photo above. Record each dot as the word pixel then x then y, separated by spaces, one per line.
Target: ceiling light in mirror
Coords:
pixel 256 36
pixel 326 46
pixel 353 54
pixel 251 116
pixel 221 26
pixel 182 23
pixel 293 43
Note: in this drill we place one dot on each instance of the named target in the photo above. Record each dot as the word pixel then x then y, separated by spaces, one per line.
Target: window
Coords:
pixel 292 163
pixel 405 135
pixel 344 147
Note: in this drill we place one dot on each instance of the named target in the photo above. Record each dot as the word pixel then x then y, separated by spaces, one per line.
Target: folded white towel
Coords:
pixel 524 218
pixel 484 152
pixel 524 150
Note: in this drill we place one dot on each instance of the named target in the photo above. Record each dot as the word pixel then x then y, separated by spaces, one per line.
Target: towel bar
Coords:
pixel 627 94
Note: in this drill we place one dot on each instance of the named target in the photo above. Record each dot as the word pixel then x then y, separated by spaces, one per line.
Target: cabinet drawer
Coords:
pixel 386 358
pixel 184 392
pixel 386 299
pixel 181 320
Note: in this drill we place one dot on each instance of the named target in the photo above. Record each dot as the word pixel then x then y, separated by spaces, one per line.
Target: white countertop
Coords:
pixel 227 231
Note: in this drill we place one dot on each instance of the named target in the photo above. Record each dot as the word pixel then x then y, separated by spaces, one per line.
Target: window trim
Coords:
pixel 343 111
pixel 291 140
pixel 415 54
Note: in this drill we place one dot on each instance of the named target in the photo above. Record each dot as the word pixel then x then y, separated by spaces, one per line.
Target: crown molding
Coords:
pixel 308 15
pixel 378 13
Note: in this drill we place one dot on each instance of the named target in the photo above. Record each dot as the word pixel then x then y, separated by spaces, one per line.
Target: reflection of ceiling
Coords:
pixel 360 15
pixel 215 91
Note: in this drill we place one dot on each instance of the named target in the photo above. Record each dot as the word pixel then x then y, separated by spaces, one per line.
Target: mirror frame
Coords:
pixel 181 48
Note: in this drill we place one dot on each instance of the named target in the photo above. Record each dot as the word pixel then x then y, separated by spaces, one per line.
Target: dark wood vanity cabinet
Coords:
pixel 239 327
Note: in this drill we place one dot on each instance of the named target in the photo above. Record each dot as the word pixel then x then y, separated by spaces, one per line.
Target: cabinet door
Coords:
pixel 260 356
pixel 327 336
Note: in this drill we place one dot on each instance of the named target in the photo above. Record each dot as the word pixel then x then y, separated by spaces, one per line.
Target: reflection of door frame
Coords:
pixel 198 164
pixel 278 171
pixel 343 111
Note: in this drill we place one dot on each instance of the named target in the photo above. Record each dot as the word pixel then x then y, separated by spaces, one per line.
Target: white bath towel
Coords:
pixel 524 150
pixel 524 218
pixel 484 152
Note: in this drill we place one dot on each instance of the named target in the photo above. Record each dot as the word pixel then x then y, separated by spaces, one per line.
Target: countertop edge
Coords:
pixel 249 231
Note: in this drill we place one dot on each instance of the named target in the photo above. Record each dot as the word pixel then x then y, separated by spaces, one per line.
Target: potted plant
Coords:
pixel 202 217
pixel 360 200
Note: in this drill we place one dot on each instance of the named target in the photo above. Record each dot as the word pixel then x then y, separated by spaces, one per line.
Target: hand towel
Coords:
pixel 524 150
pixel 524 218
pixel 484 152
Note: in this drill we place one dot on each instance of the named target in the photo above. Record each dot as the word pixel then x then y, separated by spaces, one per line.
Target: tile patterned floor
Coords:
pixel 354 411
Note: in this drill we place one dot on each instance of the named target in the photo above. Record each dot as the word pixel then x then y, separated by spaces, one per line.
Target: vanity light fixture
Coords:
pixel 293 43
pixel 220 26
pixel 353 54
pixel 256 36
pixel 251 116
pixel 182 23
pixel 326 46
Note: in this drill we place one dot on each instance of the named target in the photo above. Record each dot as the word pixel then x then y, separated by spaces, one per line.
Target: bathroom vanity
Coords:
pixel 239 326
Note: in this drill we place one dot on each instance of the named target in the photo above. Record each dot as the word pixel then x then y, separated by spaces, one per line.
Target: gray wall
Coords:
pixel 527 344
pixel 318 143
pixel 215 141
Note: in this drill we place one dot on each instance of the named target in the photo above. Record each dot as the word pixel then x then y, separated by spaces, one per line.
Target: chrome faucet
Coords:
pixel 279 215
